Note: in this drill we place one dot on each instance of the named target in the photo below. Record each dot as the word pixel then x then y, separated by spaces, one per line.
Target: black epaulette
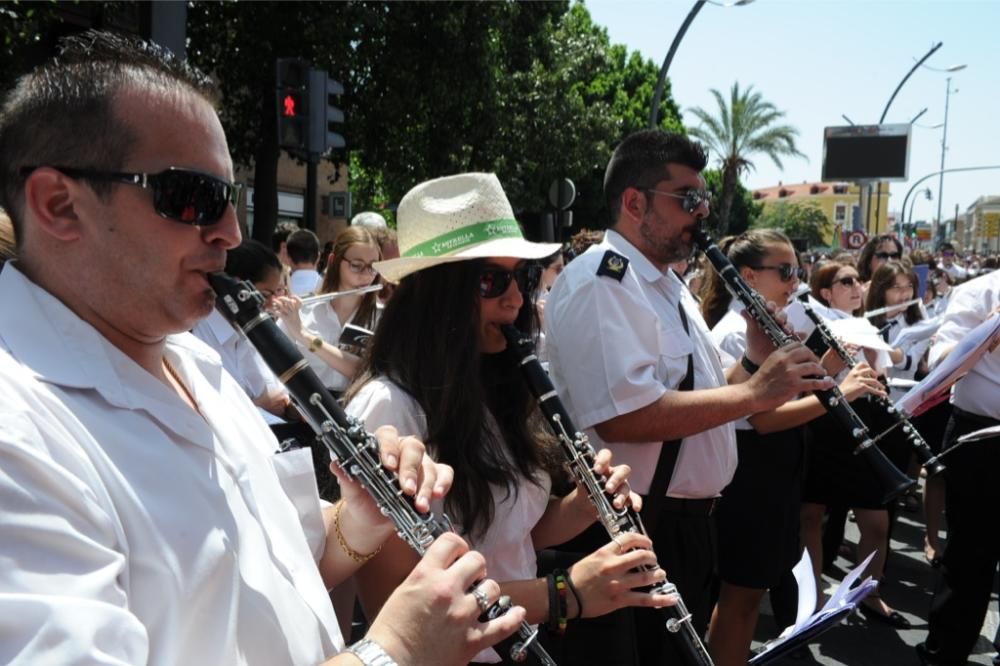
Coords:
pixel 613 265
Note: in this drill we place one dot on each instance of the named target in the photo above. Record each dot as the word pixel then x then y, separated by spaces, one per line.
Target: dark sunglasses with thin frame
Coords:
pixel 785 271
pixel 182 195
pixel 494 281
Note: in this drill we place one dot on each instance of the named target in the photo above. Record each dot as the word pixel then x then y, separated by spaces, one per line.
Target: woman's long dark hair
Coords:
pixel 882 280
pixel 868 251
pixel 748 249
pixel 427 342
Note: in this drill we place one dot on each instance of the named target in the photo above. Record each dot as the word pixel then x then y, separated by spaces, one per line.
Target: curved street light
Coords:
pixel 929 196
pixel 661 79
pixel 944 149
pixel 936 173
pixel 885 111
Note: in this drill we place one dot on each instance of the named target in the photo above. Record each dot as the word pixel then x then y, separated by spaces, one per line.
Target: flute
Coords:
pixel 893 481
pixel 928 460
pixel 353 448
pixel 901 306
pixel 323 298
pixel 580 460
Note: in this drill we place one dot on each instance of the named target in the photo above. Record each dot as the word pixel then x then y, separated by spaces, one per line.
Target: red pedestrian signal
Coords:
pixel 289 106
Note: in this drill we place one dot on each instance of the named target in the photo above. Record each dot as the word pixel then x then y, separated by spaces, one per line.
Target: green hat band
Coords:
pixel 459 239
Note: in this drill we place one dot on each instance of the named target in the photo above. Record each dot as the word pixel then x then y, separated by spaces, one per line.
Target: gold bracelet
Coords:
pixel 316 344
pixel 360 558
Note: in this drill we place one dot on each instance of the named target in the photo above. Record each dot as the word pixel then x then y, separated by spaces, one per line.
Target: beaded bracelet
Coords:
pixel 561 588
pixel 550 582
pixel 360 558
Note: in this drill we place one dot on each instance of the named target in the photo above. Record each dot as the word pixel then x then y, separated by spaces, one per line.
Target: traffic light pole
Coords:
pixel 310 204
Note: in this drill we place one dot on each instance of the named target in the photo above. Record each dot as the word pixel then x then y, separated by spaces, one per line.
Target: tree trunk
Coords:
pixel 265 178
pixel 729 182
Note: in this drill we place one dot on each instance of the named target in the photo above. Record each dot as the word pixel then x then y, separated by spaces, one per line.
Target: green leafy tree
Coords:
pixel 744 210
pixel 803 222
pixel 745 125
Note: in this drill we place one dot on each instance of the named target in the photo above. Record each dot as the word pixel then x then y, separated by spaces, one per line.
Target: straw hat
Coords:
pixel 466 216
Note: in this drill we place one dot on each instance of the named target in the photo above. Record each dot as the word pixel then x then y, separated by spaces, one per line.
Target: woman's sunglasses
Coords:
pixel 181 195
pixel 494 282
pixel 887 255
pixel 785 271
pixel 848 281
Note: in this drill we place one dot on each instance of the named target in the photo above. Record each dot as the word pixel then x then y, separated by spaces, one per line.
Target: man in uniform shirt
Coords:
pixel 972 553
pixel 623 331
pixel 146 518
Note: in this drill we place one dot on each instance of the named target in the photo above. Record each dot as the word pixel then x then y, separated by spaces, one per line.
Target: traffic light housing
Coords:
pixel 323 92
pixel 293 77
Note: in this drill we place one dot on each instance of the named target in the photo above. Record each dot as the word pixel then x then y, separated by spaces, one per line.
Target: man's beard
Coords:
pixel 665 251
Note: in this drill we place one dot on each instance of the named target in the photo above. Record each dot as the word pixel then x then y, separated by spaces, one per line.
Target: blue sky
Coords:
pixel 818 59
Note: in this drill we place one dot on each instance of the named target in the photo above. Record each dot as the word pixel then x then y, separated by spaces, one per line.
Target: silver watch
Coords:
pixel 371 653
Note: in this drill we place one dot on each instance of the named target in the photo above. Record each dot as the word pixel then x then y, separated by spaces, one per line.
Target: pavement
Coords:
pixel 909 589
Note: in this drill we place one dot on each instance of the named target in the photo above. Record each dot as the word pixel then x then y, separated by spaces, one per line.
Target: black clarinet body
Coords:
pixel 930 462
pixel 353 448
pixel 580 457
pixel 892 481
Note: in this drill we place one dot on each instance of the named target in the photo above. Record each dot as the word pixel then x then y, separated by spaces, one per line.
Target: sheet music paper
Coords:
pixel 955 365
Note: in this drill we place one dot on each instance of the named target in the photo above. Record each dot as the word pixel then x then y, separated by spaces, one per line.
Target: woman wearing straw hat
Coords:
pixel 435 370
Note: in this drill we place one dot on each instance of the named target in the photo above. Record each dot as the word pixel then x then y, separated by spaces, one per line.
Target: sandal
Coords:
pixel 894 619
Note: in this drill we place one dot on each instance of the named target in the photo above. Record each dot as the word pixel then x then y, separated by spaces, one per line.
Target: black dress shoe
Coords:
pixel 930 657
pixel 894 619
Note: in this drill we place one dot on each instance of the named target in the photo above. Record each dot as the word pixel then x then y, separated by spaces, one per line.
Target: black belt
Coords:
pixel 978 419
pixel 697 507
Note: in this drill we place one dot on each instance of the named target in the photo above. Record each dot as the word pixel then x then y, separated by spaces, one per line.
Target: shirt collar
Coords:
pixel 59 348
pixel 643 267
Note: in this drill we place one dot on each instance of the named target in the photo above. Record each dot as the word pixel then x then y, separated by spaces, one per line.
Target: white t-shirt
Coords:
pixel 304 281
pixel 506 544
pixel 135 530
pixel 616 346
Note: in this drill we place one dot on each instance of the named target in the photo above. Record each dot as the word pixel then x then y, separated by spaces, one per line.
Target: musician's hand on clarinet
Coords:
pixel 617 483
pixel 433 618
pixel 607 578
pixel 786 373
pixel 861 380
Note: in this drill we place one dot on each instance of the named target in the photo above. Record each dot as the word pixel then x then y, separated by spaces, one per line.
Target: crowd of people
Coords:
pixel 164 502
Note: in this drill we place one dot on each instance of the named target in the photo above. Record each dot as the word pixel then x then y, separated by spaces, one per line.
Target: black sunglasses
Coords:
pixel 888 255
pixel 691 200
pixel 494 282
pixel 182 195
pixel 785 271
pixel 848 281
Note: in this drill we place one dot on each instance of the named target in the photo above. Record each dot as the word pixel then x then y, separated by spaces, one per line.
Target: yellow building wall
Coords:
pixel 828 202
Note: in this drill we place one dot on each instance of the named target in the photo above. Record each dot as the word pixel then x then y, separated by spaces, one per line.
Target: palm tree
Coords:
pixel 744 127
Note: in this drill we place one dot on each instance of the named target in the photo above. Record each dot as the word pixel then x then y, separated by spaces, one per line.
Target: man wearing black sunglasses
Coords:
pixel 132 464
pixel 630 353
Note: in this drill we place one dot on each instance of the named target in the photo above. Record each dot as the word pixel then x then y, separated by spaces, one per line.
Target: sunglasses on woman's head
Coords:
pixel 494 282
pixel 181 195
pixel 785 271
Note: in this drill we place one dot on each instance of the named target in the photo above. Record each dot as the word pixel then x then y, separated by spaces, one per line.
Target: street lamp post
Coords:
pixel 661 80
pixel 944 149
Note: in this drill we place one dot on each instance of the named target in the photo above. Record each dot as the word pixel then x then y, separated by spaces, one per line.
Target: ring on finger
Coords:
pixel 482 599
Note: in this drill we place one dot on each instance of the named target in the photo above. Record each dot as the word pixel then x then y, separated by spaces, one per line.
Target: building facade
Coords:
pixel 843 204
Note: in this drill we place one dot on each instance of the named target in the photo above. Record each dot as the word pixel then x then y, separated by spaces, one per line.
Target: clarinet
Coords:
pixel 893 481
pixel 928 460
pixel 353 448
pixel 580 460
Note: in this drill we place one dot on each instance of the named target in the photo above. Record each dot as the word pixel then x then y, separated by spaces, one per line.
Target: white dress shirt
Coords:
pixel 506 544
pixel 304 281
pixel 912 355
pixel 970 304
pixel 321 319
pixel 240 359
pixel 135 530
pixel 617 346
pixel 730 336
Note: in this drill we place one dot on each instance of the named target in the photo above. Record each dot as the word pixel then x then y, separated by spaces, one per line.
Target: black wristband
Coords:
pixel 576 595
pixel 748 365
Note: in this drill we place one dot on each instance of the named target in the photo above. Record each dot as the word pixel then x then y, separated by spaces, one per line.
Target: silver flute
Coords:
pixel 928 460
pixel 892 481
pixel 354 449
pixel 580 457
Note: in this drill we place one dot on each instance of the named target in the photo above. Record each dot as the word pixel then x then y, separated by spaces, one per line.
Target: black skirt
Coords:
pixel 835 475
pixel 758 517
